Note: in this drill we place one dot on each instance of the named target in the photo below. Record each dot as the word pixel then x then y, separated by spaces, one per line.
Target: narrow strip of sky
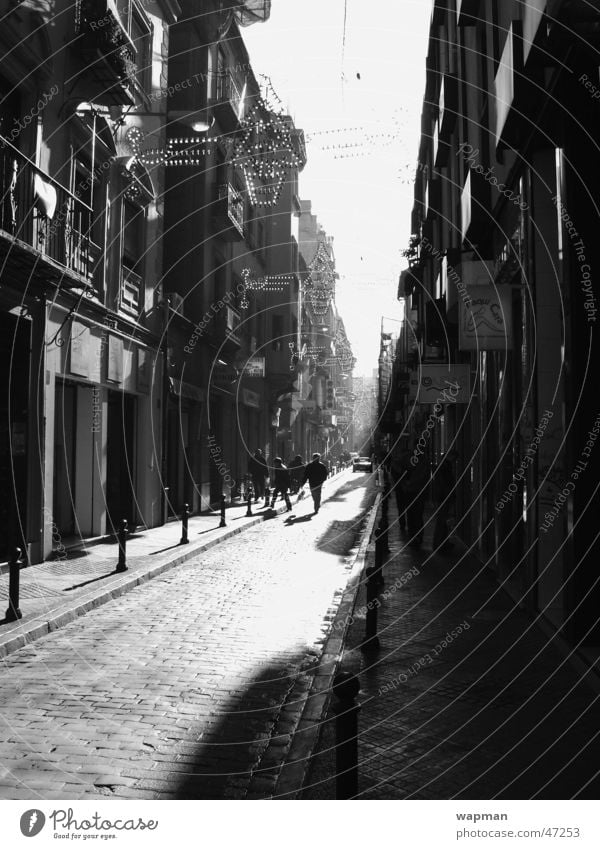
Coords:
pixel 357 93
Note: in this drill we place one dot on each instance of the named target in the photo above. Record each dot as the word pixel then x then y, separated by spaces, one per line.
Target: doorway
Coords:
pixel 14 391
pixel 63 498
pixel 120 461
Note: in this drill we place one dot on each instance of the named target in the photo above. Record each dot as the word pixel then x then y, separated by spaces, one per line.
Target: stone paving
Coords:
pixel 191 685
pixel 55 592
pixel 494 710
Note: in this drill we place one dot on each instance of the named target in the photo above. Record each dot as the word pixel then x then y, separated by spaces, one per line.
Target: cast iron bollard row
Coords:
pixel 122 537
pixel 184 525
pixel 14 611
pixel 346 688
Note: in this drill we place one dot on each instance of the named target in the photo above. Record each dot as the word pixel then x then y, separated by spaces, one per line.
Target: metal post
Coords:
pixel 184 525
pixel 223 523
pixel 249 494
pixel 267 494
pixel 346 688
pixel 14 612
pixel 371 642
pixel 123 530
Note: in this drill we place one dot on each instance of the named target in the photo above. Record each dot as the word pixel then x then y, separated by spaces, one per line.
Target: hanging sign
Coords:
pixel 255 367
pixel 485 320
pixel 448 383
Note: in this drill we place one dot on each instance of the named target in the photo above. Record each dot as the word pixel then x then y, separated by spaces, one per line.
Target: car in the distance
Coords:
pixel 362 464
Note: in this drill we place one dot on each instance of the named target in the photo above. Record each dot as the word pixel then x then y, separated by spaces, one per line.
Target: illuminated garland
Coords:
pixel 320 287
pixel 270 283
pixel 266 154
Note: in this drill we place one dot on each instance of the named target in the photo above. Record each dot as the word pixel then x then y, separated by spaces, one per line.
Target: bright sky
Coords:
pixel 365 94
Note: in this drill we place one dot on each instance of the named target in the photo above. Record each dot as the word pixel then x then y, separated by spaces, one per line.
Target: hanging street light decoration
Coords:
pixel 270 283
pixel 181 151
pixel 320 287
pixel 265 153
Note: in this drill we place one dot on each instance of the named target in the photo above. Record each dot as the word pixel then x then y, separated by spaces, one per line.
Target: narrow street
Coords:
pixel 191 685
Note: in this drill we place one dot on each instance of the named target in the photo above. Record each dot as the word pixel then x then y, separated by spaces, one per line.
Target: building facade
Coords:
pixel 501 283
pixel 81 254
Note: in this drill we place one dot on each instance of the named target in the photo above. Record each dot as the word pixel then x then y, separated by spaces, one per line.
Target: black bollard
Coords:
pixel 267 494
pixel 184 525
pixel 14 612
pixel 346 688
pixel 371 641
pixel 249 494
pixel 223 523
pixel 123 530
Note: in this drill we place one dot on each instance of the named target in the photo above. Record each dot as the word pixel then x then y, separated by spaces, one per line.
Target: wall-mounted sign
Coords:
pixel 251 399
pixel 255 367
pixel 485 322
pixel 449 383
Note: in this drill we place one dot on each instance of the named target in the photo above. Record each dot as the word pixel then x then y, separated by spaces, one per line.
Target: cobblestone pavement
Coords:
pixel 191 685
pixel 491 711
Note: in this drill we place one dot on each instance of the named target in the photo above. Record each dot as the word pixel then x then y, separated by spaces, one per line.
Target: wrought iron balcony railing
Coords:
pixel 37 210
pixel 108 50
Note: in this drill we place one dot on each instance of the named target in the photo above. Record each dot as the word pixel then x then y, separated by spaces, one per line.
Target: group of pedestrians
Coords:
pixel 411 475
pixel 288 479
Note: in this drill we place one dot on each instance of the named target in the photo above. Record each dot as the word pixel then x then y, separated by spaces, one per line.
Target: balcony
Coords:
pixel 508 112
pixel 229 214
pixel 131 292
pixel 448 106
pixel 39 217
pixel 477 223
pixel 107 51
pixel 229 106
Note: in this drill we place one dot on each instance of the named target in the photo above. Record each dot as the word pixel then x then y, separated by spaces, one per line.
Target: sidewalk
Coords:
pixel 56 592
pixel 467 697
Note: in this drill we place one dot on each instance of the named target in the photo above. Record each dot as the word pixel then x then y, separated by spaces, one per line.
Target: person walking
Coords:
pixel 415 488
pixel 296 467
pixel 444 482
pixel 258 471
pixel 281 482
pixel 316 475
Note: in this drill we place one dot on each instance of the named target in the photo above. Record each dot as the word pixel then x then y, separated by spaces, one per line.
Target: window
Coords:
pixel 133 236
pixel 139 28
pixel 133 229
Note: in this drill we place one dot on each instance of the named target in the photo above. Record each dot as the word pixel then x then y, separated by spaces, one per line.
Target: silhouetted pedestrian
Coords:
pixel 259 471
pixel 296 467
pixel 316 475
pixel 281 482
